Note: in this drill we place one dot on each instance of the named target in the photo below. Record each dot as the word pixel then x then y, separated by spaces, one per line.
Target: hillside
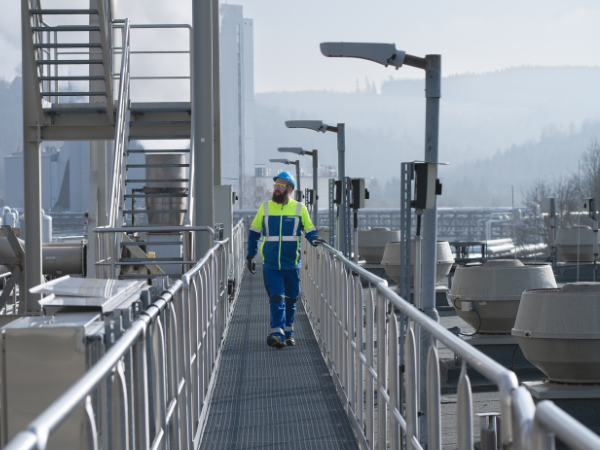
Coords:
pixel 481 114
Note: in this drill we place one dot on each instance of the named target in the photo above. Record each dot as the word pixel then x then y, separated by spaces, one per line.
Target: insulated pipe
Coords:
pixel 59 258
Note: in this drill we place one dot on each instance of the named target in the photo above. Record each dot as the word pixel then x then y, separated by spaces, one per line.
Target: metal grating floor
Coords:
pixel 273 399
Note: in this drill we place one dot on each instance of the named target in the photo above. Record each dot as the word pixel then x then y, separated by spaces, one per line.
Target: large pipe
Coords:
pixel 58 258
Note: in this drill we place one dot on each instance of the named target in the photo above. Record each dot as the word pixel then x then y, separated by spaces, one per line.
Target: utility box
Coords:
pixel 426 186
pixel 224 200
pixel 43 356
pixel 359 193
pixel 548 206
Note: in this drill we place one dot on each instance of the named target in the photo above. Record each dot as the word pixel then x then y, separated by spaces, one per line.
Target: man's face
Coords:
pixel 282 190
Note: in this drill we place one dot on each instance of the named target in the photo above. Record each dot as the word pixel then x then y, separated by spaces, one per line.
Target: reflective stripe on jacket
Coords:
pixel 281 227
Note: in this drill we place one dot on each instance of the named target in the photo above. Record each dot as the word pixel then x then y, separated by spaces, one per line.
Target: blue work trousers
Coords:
pixel 283 288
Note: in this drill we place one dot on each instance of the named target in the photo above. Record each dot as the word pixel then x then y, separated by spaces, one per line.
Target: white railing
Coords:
pixel 156 380
pixel 334 296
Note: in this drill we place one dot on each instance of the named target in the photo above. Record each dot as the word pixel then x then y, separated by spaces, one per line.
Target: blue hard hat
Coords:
pixel 287 177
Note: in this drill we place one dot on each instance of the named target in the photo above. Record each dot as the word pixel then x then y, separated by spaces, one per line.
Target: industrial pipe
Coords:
pixel 58 258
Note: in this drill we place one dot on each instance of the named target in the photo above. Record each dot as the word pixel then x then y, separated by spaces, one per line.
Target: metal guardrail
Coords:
pixel 108 241
pixel 333 294
pixel 157 378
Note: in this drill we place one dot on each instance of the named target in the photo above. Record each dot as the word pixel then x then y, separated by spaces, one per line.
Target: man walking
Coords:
pixel 281 221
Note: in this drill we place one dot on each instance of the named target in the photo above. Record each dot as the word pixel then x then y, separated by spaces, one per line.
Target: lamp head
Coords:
pixel 315 125
pixel 282 161
pixel 385 54
pixel 296 150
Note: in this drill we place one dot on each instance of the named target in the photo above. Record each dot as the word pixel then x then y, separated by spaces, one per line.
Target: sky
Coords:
pixel 471 35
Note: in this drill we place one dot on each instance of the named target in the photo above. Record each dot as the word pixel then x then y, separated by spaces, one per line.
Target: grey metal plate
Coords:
pixel 267 398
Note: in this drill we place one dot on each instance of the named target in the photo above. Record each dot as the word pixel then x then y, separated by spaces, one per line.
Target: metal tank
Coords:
pixel 371 243
pixel 175 188
pixel 559 331
pixel 568 239
pixel 487 297
pixel 391 260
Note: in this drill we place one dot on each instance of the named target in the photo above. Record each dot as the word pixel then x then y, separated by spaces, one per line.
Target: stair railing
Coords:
pixel 117 186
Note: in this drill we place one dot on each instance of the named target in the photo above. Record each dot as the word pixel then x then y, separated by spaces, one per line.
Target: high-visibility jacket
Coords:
pixel 281 227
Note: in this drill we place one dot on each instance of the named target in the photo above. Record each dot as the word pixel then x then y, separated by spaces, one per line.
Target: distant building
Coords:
pixel 65 178
pixel 237 103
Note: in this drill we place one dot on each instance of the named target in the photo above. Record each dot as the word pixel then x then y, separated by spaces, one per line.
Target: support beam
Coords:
pixel 216 89
pixel 32 174
pixel 202 123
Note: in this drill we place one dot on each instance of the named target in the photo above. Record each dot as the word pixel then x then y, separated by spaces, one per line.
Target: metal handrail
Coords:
pixel 333 296
pixel 121 127
pixel 178 339
pixel 108 239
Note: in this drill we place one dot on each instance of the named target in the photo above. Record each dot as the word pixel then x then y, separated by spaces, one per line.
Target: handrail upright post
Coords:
pixel 393 381
pixel 359 349
pixel 351 338
pixel 370 381
pixel 434 432
pixel 381 311
pixel 140 376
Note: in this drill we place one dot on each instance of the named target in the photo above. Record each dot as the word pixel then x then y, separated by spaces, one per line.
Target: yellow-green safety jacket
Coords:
pixel 281 227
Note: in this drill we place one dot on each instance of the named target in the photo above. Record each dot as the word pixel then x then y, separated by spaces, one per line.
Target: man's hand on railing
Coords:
pixel 318 241
pixel 250 265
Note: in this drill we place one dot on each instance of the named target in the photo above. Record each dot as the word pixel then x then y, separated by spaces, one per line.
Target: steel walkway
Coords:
pixel 268 398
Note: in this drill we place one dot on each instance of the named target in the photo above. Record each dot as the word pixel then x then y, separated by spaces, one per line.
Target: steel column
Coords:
pixel 216 57
pixel 341 147
pixel 315 161
pixel 433 79
pixel 202 121
pixel 32 174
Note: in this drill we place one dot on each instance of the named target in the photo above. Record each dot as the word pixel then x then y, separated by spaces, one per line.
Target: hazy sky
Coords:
pixel 472 35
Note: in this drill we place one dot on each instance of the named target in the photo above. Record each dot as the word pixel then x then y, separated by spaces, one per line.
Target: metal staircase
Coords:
pixel 92 52
pixel 83 97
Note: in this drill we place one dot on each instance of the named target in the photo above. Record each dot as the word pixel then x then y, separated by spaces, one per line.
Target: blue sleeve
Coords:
pixel 310 236
pixel 253 238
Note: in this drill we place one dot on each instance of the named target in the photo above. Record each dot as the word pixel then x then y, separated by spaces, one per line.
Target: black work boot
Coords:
pixel 290 341
pixel 275 341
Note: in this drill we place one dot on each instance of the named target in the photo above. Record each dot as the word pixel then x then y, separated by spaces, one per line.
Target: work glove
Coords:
pixel 318 241
pixel 250 265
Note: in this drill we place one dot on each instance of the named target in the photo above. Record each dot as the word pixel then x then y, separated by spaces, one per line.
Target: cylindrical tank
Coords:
pixel 46 228
pixel 559 331
pixel 371 243
pixel 64 258
pixel 567 240
pixel 161 187
pixel 391 260
pixel 494 290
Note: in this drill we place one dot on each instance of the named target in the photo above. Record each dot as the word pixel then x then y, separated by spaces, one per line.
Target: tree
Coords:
pixel 590 171
pixel 567 191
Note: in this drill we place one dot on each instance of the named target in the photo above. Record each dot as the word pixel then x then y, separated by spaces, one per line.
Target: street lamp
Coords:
pixel 297 164
pixel 340 129
pixel 388 55
pixel 315 161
